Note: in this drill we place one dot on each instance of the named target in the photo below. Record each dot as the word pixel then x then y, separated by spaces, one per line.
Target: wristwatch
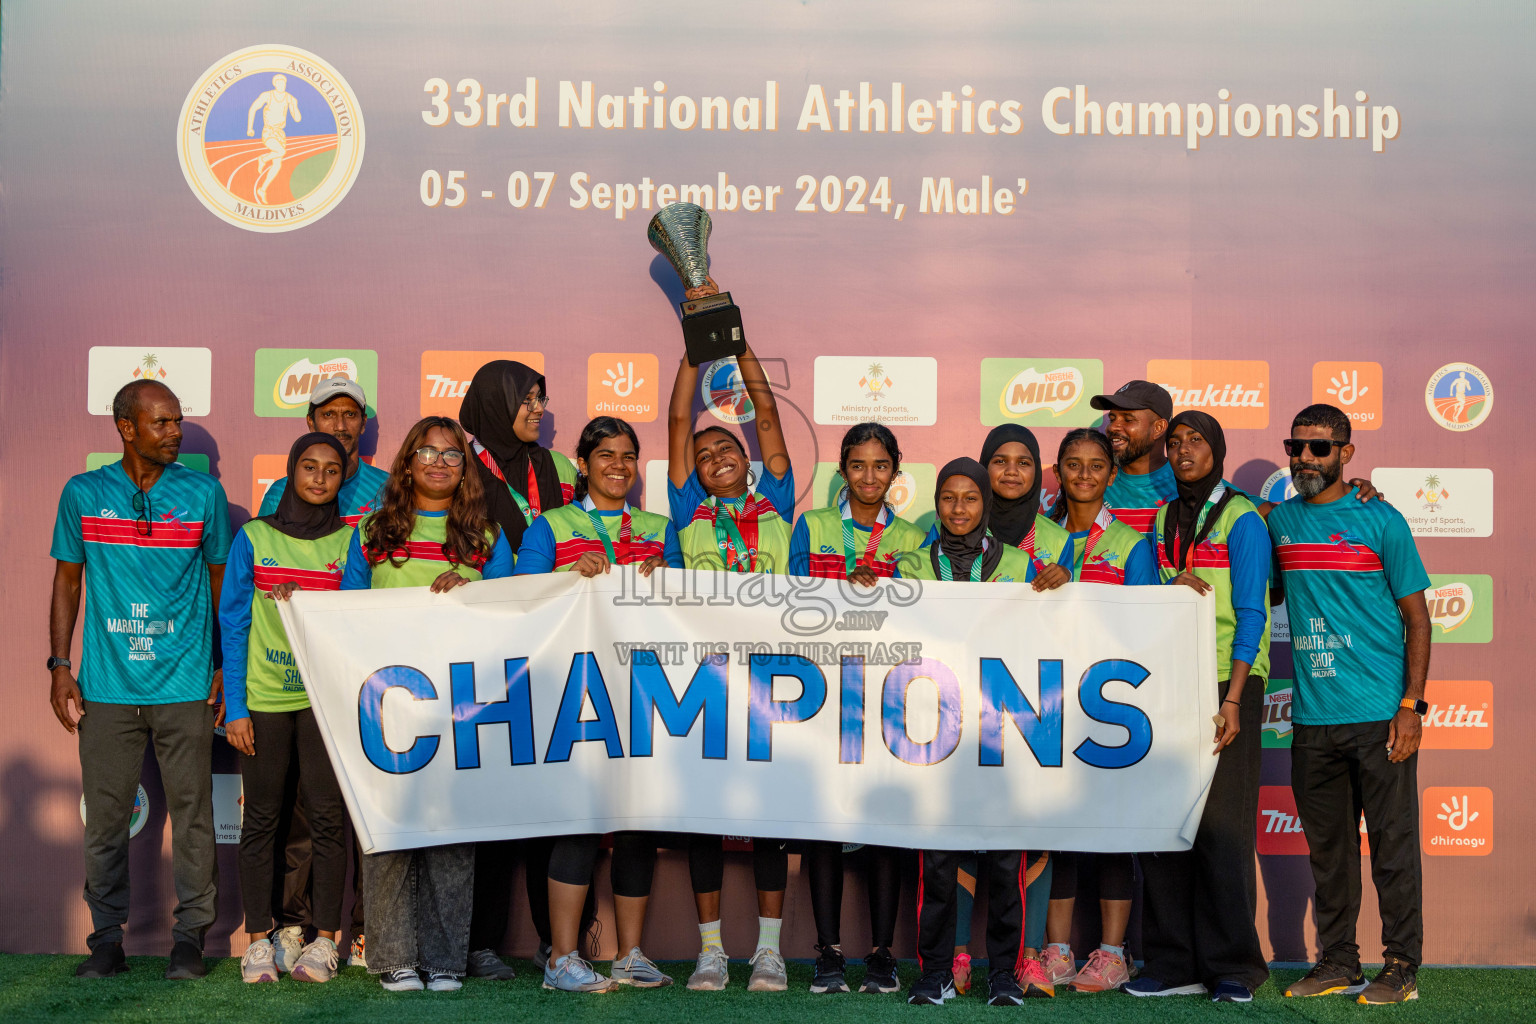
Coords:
pixel 1418 707
pixel 54 663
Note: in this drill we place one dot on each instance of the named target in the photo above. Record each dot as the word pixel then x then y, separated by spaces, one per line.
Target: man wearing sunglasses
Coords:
pixel 147 537
pixel 1354 583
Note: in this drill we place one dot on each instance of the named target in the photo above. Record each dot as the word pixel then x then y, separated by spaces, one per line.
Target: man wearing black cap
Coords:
pixel 1136 418
pixel 339 407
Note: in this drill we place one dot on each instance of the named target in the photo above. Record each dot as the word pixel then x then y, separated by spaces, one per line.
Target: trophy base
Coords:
pixel 712 329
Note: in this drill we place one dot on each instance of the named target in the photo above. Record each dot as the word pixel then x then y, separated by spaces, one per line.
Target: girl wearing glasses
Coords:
pixel 430 530
pixel 1198 916
pixel 302 544
pixel 598 531
pixel 1098 548
pixel 860 539
pixel 728 521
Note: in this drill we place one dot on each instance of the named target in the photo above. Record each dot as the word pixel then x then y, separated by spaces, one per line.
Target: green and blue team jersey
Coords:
pixel 148 600
pixel 360 494
pixel 1344 566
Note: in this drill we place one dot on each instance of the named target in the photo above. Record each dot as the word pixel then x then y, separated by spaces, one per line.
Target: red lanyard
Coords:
pixel 529 504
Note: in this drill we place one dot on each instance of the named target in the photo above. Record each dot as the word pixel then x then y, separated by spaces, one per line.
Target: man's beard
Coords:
pixel 1310 485
pixel 1133 451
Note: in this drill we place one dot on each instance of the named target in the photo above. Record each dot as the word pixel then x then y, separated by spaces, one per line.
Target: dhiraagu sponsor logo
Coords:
pixel 1460 608
pixel 1040 392
pixel 911 493
pixel 286 377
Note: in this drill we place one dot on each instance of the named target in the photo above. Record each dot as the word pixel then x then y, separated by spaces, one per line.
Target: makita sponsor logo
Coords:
pixel 1280 822
pixel 1217 396
pixel 446 387
pixel 1455 716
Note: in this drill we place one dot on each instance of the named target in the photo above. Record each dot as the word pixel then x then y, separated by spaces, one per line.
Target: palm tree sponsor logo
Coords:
pixel 1432 493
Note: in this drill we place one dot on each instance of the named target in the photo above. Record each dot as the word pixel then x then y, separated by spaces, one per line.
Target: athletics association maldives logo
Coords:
pixel 724 392
pixel 1459 396
pixel 270 138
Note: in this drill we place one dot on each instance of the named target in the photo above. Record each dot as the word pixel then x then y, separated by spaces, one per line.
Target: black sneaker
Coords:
pixel 484 963
pixel 932 989
pixel 186 963
pixel 830 964
pixel 105 960
pixel 1003 989
pixel 880 972
pixel 1326 978
pixel 1398 982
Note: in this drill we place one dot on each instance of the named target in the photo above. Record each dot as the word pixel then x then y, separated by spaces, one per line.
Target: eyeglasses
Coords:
pixel 451 457
pixel 1319 447
pixel 141 506
pixel 536 402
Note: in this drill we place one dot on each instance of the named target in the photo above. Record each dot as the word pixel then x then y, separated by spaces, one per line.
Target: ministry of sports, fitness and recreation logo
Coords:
pixel 270 138
pixel 1459 396
pixel 724 392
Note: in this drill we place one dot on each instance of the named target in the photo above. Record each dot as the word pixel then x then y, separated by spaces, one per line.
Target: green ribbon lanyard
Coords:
pixel 947 572
pixel 727 533
pixel 602 530
pixel 871 550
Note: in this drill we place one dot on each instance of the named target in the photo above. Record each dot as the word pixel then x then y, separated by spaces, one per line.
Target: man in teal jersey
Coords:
pixel 1360 649
pixel 1136 418
pixel 147 537
pixel 339 407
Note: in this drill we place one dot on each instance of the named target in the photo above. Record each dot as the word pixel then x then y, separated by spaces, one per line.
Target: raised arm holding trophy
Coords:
pixel 711 321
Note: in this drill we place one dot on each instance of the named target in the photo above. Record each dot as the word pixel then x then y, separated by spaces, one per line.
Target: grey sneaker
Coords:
pixel 287 944
pixel 711 975
pixel 257 963
pixel 570 973
pixel 768 973
pixel 484 963
pixel 440 982
pixel 636 969
pixel 317 962
pixel 541 958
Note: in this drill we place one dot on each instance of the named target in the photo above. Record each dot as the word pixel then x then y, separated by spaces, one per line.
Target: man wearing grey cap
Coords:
pixel 339 407
pixel 1137 417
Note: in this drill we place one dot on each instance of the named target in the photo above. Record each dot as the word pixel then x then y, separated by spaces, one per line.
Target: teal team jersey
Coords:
pixel 1136 499
pixel 148 600
pixel 1344 566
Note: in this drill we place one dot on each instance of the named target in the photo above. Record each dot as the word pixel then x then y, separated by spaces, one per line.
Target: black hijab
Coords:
pixel 963 551
pixel 1013 518
pixel 490 405
pixel 1185 510
pixel 296 517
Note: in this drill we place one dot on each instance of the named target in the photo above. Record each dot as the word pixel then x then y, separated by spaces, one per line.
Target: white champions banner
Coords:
pixel 938 715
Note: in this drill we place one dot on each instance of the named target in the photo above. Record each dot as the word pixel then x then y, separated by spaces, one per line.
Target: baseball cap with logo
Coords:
pixel 1137 394
pixel 333 388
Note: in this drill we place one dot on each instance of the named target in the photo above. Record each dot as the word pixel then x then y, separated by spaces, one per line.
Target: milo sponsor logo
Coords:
pixel 1040 392
pixel 1277 713
pixel 287 378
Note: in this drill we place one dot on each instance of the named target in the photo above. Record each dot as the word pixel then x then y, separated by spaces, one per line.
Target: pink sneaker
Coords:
pixel 1033 980
pixel 1059 967
pixel 1103 972
pixel 962 972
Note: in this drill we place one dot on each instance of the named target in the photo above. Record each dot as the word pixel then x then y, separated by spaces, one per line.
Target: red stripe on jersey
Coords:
pixel 1102 572
pixel 835 567
pixel 354 520
pixel 569 552
pixel 269 576
pixel 1139 519
pixel 1327 558
pixel 104 530
pixel 1206 556
pixel 431 551
pixel 568 492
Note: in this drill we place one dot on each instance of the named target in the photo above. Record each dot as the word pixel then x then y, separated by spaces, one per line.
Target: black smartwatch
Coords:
pixel 54 663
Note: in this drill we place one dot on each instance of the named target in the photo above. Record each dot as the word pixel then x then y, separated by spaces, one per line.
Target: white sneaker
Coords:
pixel 317 962
pixel 637 969
pixel 768 973
pixel 257 964
pixel 401 979
pixel 712 973
pixel 437 982
pixel 287 945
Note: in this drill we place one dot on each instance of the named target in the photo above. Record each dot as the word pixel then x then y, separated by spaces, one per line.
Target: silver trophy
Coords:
pixel 711 323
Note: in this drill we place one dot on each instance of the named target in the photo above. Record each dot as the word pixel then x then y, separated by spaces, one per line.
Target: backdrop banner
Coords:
pixel 934 715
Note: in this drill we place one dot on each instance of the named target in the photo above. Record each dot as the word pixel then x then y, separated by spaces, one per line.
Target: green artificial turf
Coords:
pixel 44 988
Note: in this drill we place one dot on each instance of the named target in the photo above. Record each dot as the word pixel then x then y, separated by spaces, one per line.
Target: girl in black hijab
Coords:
pixel 1184 528
pixel 1013 517
pixel 964 549
pixel 503 408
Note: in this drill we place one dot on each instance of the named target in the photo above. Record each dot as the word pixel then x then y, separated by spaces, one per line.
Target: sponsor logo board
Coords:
pixel 1460 714
pixel 1460 608
pixel 1457 821
pixel 899 390
pixel 1354 387
pixel 445 376
pixel 1040 392
pixel 186 371
pixel 1459 396
pixel 1440 502
pixel 286 377
pixel 1235 391
pixel 623 384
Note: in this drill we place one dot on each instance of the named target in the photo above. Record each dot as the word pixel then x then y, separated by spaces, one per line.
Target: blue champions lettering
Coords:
pixel 583 681
pixel 763 712
pixel 1128 717
pixel 650 694
pixel 1002 699
pixel 893 711
pixel 515 710
pixel 850 742
pixel 370 720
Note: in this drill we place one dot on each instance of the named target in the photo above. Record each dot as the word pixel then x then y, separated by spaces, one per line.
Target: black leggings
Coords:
pixel 1117 874
pixel 634 861
pixel 882 873
pixel 706 863
pixel 279 736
